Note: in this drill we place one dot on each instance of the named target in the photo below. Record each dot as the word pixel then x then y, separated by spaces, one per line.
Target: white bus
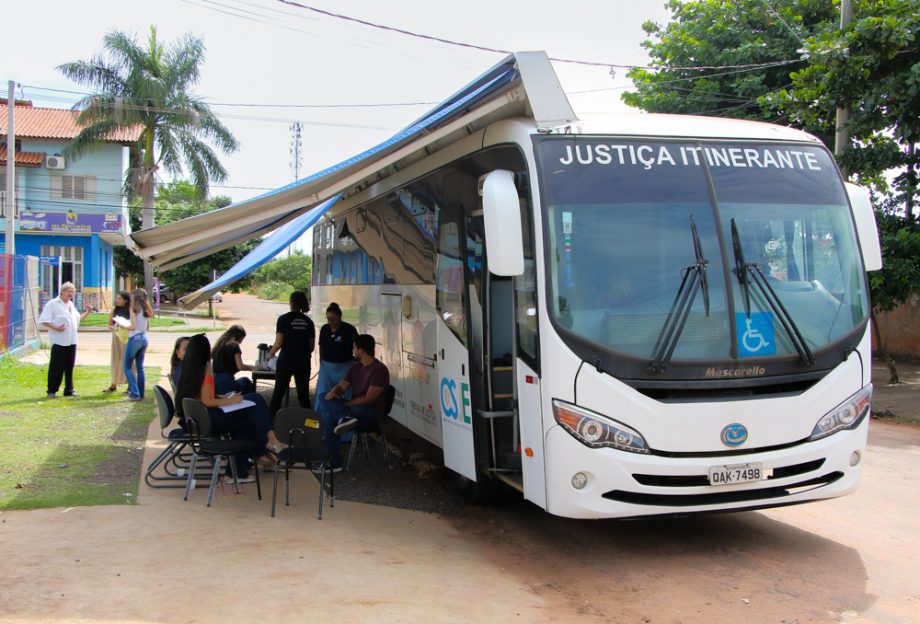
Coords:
pixel 621 316
pixel 618 316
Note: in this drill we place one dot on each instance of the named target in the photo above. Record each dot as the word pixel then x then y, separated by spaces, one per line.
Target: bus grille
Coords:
pixel 703 480
pixel 721 498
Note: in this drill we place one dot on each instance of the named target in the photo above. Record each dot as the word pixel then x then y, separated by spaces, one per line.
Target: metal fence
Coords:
pixel 19 301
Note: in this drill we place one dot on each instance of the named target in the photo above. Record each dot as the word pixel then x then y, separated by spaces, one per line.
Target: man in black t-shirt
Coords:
pixel 295 337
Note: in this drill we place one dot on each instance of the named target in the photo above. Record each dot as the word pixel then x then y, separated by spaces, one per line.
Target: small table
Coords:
pixel 269 375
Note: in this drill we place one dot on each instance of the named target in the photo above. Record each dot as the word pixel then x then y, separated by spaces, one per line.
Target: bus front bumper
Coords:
pixel 619 484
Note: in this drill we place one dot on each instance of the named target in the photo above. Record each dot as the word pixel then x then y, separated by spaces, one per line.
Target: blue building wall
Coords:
pixel 105 166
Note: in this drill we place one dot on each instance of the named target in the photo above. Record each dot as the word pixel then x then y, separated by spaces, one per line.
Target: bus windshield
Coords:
pixel 699 251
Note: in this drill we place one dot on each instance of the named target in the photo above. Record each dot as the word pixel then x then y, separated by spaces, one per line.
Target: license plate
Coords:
pixel 737 473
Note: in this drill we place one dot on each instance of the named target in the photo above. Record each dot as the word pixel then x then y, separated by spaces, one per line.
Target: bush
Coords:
pixel 273 290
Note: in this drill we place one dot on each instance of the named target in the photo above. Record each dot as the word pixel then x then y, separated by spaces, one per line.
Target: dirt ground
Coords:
pixel 852 559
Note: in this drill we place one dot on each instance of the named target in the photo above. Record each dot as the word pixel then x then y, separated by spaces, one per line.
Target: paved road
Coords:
pixel 854 559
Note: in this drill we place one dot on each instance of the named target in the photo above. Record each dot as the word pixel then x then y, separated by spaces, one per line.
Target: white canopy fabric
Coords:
pixel 522 84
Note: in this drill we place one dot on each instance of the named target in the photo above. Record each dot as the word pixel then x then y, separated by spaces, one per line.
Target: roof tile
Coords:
pixel 26 159
pixel 54 123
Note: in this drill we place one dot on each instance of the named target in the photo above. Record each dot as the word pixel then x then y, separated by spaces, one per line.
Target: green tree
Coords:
pixel 293 270
pixel 720 58
pixel 149 86
pixel 179 200
pixel 872 68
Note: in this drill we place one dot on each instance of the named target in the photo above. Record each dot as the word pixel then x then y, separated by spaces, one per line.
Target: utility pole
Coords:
pixel 10 204
pixel 296 157
pixel 841 134
pixel 296 148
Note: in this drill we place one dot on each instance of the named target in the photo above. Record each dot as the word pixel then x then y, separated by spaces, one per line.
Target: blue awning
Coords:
pixel 267 249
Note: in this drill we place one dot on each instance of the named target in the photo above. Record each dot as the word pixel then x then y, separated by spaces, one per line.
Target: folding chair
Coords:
pixel 362 433
pixel 299 428
pixel 199 426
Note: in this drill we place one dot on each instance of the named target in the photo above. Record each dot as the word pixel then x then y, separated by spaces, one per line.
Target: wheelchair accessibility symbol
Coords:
pixel 755 334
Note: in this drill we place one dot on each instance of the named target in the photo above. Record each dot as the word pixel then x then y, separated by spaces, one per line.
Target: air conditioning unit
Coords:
pixel 54 162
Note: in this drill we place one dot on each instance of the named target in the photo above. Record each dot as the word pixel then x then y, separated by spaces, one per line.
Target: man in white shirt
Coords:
pixel 62 319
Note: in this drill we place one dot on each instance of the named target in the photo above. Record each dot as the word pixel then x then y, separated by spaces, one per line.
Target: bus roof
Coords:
pixel 686 126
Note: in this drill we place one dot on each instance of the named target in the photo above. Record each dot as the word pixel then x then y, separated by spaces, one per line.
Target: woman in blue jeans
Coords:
pixel 136 348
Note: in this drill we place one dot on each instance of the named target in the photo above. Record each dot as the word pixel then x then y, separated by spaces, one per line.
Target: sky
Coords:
pixel 287 64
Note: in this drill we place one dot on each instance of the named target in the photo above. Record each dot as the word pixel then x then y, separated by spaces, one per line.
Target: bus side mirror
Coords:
pixel 502 216
pixel 866 228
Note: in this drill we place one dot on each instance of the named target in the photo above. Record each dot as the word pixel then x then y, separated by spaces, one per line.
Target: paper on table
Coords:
pixel 237 406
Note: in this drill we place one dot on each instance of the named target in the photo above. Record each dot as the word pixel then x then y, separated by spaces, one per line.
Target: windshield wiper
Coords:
pixel 749 273
pixel 694 279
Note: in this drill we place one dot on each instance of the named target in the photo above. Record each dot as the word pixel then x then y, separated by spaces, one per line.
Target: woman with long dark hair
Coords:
pixel 252 423
pixel 295 337
pixel 122 310
pixel 227 360
pixel 175 361
pixel 136 348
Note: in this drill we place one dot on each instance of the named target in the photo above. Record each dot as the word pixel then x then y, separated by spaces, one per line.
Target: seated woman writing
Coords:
pixel 252 423
pixel 227 357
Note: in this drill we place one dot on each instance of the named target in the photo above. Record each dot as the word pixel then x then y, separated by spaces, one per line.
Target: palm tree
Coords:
pixel 149 87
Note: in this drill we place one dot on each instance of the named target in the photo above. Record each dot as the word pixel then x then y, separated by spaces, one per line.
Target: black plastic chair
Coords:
pixel 299 428
pixel 362 433
pixel 198 421
pixel 177 439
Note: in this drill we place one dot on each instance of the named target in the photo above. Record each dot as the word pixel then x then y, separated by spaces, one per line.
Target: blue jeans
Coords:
pixel 227 382
pixel 135 351
pixel 330 415
pixel 330 374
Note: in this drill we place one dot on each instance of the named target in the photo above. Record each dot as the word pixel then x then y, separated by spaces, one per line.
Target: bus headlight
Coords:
pixel 596 431
pixel 847 415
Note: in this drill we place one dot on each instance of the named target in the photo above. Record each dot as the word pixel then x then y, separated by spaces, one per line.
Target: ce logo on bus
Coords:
pixel 449 405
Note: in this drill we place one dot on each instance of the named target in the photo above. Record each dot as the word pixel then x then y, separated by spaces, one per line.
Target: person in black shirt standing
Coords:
pixel 336 339
pixel 295 338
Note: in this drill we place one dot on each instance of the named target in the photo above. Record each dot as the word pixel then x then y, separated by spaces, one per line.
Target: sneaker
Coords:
pixel 345 425
pixel 131 398
pixel 52 395
pixel 71 394
pixel 335 468
pixel 246 479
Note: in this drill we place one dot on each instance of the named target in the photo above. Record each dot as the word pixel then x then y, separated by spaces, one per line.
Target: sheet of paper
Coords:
pixel 237 406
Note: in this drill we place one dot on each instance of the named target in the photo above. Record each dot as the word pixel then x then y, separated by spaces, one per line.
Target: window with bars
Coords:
pixel 64 186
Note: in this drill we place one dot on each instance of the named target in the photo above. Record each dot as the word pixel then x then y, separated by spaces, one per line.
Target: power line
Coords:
pixel 473 46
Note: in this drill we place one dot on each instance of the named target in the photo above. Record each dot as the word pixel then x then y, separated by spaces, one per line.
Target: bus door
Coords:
pixel 453 354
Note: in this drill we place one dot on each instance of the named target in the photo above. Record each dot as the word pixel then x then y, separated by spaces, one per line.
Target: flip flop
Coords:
pixel 110 389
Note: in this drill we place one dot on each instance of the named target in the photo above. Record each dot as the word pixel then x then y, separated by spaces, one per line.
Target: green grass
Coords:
pixel 64 452
pixel 101 319
pixel 165 322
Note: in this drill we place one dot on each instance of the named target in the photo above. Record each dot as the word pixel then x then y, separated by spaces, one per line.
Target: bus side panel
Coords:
pixel 455 404
pixel 419 362
pixel 530 416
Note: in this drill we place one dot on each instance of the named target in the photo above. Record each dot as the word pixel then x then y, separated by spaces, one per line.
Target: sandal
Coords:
pixel 110 389
pixel 276 447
